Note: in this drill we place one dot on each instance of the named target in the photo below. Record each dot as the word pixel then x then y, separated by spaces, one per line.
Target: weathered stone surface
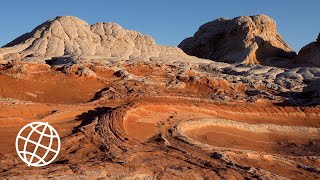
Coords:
pixel 71 36
pixel 126 108
pixel 244 39
pixel 311 53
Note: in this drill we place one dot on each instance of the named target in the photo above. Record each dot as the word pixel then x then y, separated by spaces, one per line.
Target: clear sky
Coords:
pixel 168 21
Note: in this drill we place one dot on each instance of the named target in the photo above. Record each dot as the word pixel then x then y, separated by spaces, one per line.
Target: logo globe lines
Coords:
pixel 32 157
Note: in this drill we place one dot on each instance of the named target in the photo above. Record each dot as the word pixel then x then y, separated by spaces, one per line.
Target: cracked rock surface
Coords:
pixel 71 36
pixel 127 108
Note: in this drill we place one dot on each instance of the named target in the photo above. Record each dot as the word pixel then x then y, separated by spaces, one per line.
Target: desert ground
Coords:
pixel 231 102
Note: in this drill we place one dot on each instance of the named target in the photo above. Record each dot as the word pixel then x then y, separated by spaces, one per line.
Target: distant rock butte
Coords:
pixel 311 53
pixel 71 36
pixel 244 39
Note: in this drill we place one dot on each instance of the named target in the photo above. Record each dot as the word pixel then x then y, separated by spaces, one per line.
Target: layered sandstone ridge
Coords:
pixel 244 39
pixel 71 36
pixel 172 116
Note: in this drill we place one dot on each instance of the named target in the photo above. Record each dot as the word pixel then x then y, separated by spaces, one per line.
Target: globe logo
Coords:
pixel 38 144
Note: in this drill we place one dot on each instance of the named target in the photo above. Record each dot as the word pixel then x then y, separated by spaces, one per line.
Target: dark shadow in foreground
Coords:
pixel 310 96
pixel 88 117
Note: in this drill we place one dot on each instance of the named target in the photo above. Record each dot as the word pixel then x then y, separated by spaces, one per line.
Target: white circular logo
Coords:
pixel 38 144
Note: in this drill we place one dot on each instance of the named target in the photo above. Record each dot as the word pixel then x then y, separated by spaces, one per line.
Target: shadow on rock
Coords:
pixel 88 117
pixel 269 55
pixel 310 96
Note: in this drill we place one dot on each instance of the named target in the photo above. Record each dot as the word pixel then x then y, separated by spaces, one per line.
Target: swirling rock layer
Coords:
pixel 127 122
pixel 128 108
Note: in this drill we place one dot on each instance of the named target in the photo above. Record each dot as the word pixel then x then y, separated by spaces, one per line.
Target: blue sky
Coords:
pixel 168 21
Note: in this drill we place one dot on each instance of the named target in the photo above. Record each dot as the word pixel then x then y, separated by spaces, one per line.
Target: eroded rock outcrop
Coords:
pixel 71 36
pixel 171 116
pixel 244 39
pixel 311 53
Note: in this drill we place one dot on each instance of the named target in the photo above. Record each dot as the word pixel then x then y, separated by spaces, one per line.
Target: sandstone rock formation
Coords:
pixel 126 108
pixel 244 39
pixel 71 36
pixel 311 53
